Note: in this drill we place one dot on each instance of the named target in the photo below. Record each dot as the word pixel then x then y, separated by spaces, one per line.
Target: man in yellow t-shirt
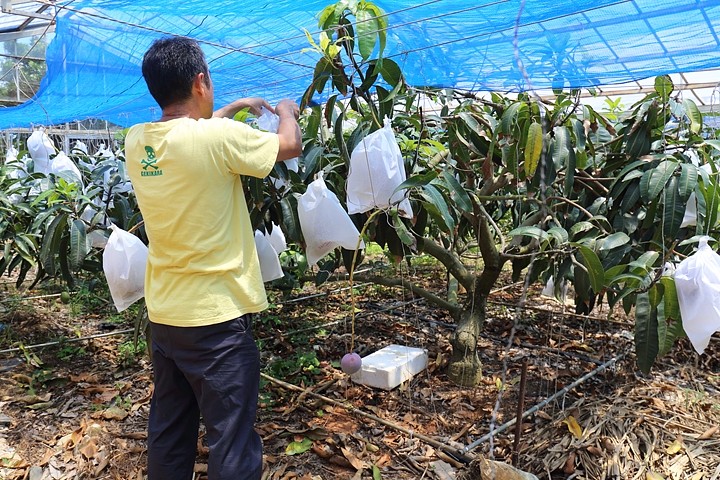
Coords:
pixel 203 278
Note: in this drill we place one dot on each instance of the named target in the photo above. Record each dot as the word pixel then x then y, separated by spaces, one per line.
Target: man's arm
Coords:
pixel 288 130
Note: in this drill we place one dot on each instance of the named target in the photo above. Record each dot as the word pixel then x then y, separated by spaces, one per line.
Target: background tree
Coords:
pixel 22 68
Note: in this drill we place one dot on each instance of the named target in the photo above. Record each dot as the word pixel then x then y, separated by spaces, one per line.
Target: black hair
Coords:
pixel 170 66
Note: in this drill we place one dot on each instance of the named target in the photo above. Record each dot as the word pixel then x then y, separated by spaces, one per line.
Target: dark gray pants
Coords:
pixel 213 371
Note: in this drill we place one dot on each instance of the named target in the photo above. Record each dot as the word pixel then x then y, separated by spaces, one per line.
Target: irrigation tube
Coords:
pixel 68 340
pixel 540 405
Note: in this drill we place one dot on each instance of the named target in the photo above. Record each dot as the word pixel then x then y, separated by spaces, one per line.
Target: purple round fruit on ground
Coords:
pixel 351 363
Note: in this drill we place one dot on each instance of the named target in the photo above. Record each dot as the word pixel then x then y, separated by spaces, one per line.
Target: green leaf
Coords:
pixel 328 17
pixel 688 180
pixel 564 157
pixel 340 138
pixel 630 198
pixel 653 181
pixel 612 272
pixel 511 117
pixel 255 187
pixel 437 208
pixel 376 473
pixel 51 243
pixel 390 71
pixel 291 222
pixel 670 298
pixel 311 159
pixel 638 140
pixel 669 324
pixel 579 132
pixel 561 146
pixel 25 247
pixel 713 143
pixel 533 149
pixel 402 231
pixel 629 279
pixel 367 30
pixel 594 267
pixel 78 244
pixel 646 332
pixel 581 227
pixel 456 191
pixel 418 180
pixel 559 234
pixel 529 231
pixel 645 261
pixel 664 86
pixel 470 121
pixel 614 240
pixel 382 26
pixel 673 209
pixel 693 113
pixel 322 73
pixel 313 122
pixel 297 448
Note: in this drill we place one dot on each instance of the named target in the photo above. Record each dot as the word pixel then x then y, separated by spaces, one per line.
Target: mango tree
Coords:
pixel 590 202
pixel 53 225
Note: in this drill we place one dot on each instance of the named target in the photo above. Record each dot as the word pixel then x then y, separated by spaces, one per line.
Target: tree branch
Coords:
pixel 452 308
pixel 453 264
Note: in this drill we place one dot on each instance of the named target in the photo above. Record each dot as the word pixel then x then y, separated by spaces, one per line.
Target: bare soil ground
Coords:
pixel 78 409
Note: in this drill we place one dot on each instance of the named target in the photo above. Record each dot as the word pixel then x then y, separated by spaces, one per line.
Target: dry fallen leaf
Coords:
pixel 654 476
pixel 543 415
pixel 675 447
pixel 114 413
pixel 353 459
pixel 573 426
pixel 708 433
pixel 89 450
pixel 569 467
pixel 595 450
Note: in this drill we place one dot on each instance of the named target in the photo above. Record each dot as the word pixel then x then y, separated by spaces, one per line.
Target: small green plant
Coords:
pixel 69 351
pixel 91 296
pixel 302 364
pixel 130 351
pixel 269 320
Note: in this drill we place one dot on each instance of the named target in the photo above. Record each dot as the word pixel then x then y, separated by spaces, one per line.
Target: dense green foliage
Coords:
pixel 551 187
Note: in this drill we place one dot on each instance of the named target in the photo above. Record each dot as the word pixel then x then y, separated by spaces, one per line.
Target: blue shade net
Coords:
pixel 259 48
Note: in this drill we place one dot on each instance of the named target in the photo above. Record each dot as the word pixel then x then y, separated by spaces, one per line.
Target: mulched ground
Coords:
pixel 79 409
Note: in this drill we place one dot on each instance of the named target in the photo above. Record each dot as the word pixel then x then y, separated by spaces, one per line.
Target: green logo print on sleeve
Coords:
pixel 149 169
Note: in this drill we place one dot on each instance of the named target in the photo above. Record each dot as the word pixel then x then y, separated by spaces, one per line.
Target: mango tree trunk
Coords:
pixel 465 366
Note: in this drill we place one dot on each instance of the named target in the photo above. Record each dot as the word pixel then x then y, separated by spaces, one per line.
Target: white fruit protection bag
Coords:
pixel 697 280
pixel 267 255
pixel 324 222
pixel 124 262
pixel 376 170
pixel 277 239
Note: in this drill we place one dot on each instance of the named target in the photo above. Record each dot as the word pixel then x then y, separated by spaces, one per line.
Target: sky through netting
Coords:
pixel 260 49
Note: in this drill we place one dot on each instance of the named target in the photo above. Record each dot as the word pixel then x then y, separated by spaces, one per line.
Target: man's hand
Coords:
pixel 288 107
pixel 254 104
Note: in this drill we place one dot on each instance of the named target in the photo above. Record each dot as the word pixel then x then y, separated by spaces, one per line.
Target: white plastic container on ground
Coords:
pixel 390 366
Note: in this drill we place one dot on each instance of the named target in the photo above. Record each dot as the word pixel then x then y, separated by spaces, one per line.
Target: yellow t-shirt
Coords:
pixel 202 265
